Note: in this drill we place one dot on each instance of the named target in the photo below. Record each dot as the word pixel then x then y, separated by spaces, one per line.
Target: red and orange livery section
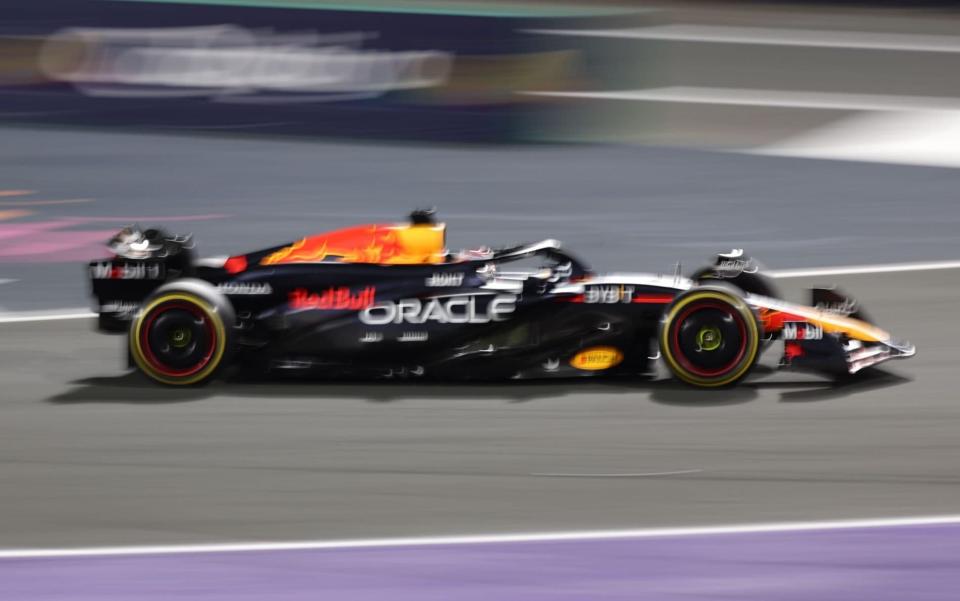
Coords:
pixel 774 318
pixel 382 244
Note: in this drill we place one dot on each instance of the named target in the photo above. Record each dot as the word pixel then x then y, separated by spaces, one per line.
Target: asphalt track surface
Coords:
pixel 92 455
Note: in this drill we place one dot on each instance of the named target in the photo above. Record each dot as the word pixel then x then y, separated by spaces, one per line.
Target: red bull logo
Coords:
pixel 341 298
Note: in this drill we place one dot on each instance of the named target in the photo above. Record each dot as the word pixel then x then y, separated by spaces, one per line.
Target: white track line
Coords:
pixel 858 269
pixel 780 273
pixel 46 316
pixel 484 538
pixel 927 138
pixel 774 36
pixel 768 98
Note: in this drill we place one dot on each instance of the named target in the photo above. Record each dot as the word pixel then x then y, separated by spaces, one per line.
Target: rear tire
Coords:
pixel 709 337
pixel 183 334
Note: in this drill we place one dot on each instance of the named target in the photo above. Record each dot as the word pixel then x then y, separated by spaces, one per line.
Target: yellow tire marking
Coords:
pixel 140 359
pixel 753 340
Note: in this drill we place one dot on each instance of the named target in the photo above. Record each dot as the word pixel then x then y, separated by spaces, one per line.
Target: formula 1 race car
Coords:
pixel 390 301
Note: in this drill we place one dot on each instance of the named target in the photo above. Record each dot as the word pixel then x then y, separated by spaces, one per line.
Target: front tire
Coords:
pixel 182 336
pixel 754 283
pixel 709 338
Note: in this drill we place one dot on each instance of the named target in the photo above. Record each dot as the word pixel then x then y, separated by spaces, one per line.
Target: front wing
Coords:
pixel 822 340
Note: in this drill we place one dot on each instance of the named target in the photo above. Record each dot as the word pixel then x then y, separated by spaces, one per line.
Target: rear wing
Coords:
pixel 141 262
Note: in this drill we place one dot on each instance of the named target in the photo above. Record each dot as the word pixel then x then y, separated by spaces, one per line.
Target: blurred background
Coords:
pixel 718 74
pixel 254 120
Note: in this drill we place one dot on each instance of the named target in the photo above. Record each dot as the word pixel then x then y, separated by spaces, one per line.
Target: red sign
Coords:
pixel 333 298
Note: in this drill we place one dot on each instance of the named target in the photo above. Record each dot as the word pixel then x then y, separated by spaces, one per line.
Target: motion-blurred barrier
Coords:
pixel 295 68
pixel 847 82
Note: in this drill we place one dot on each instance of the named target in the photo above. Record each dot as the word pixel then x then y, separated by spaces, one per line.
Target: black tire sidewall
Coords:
pixel 212 303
